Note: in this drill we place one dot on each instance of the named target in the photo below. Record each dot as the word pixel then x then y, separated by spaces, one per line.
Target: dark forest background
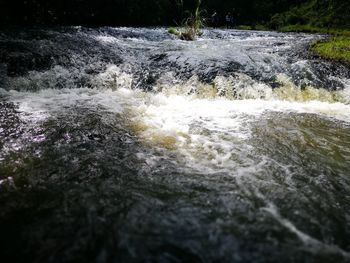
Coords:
pixel 272 13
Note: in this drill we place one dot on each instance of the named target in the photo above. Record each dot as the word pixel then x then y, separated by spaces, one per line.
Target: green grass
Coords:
pixel 319 16
pixel 313 16
pixel 257 27
pixel 336 49
pixel 191 25
pixel 244 27
pixel 260 27
pixel 300 28
pixel 313 29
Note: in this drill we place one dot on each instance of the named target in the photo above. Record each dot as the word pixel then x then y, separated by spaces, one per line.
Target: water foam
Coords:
pixel 310 243
pixel 206 122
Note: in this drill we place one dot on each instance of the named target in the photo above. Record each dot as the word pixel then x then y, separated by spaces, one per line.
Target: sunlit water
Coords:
pixel 128 145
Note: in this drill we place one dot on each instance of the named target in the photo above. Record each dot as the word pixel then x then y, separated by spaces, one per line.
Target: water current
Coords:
pixel 128 145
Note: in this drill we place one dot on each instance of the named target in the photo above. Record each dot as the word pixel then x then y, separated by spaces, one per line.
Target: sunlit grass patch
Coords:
pixel 337 49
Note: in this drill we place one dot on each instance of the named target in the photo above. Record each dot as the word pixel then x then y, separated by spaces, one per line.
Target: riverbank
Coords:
pixel 335 48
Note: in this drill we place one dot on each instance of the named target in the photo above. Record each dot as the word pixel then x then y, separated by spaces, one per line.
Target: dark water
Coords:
pixel 126 145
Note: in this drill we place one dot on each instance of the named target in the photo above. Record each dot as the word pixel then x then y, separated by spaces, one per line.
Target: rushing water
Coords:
pixel 127 145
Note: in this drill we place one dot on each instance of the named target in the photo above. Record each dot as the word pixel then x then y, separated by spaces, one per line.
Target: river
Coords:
pixel 129 145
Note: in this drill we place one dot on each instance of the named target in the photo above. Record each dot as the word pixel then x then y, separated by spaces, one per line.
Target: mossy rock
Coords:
pixel 173 31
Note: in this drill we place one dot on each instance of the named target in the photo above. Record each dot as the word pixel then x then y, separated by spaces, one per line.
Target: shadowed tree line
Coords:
pixel 168 12
pixel 316 13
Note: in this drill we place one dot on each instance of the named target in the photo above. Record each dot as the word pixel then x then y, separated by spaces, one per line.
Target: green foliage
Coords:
pixel 302 28
pixel 337 49
pixel 192 24
pixel 260 27
pixel 173 31
pixel 324 16
pixel 314 14
pixel 244 27
pixel 313 29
